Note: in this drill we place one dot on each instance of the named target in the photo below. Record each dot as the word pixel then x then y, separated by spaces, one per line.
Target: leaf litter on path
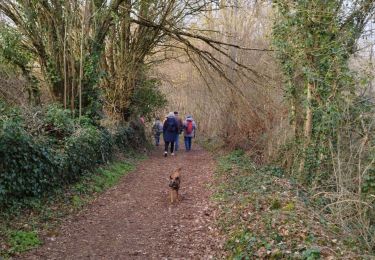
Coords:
pixel 134 220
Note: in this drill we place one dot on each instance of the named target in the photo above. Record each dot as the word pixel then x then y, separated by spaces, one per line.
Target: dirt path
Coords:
pixel 134 220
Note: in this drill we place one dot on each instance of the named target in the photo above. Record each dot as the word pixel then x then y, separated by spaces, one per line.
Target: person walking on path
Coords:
pixel 170 131
pixel 157 129
pixel 189 131
pixel 180 129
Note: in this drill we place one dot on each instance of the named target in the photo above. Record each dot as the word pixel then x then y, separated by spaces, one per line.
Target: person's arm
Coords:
pixel 180 127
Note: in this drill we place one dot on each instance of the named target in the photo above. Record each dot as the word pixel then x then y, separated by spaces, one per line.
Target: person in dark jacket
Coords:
pixel 170 131
pixel 180 129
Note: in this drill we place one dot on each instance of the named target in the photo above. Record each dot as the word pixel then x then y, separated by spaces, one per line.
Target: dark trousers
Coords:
pixel 166 146
pixel 157 140
pixel 187 140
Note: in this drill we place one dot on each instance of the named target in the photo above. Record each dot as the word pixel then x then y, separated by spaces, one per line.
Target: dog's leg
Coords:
pixel 171 193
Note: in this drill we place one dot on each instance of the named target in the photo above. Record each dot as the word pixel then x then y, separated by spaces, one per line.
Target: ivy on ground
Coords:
pixel 264 215
pixel 56 151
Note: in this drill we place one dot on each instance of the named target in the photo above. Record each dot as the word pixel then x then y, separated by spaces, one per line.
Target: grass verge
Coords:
pixel 263 216
pixel 22 227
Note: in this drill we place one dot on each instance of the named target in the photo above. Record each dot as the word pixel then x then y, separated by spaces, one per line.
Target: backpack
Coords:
pixel 156 129
pixel 189 127
pixel 171 125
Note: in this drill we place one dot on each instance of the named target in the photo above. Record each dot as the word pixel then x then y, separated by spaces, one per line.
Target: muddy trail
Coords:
pixel 134 220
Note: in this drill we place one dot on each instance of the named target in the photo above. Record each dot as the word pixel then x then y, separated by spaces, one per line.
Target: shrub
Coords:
pixel 82 152
pixel 32 167
pixel 58 121
pixel 26 167
pixel 123 136
pixel 130 136
pixel 106 145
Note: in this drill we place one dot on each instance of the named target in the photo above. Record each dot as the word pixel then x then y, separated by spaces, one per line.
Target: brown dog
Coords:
pixel 174 184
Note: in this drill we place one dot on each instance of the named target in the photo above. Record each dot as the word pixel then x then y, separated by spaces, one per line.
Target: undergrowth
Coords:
pixel 214 145
pixel 263 215
pixel 22 228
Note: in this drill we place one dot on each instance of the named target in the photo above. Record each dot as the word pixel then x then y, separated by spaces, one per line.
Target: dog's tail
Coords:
pixel 179 169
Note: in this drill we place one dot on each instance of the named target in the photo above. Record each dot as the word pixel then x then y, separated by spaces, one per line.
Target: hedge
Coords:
pixel 34 163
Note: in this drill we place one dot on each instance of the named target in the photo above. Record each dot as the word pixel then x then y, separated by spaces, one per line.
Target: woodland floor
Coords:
pixel 134 220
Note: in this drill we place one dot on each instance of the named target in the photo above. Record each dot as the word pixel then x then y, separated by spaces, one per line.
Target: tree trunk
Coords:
pixel 307 128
